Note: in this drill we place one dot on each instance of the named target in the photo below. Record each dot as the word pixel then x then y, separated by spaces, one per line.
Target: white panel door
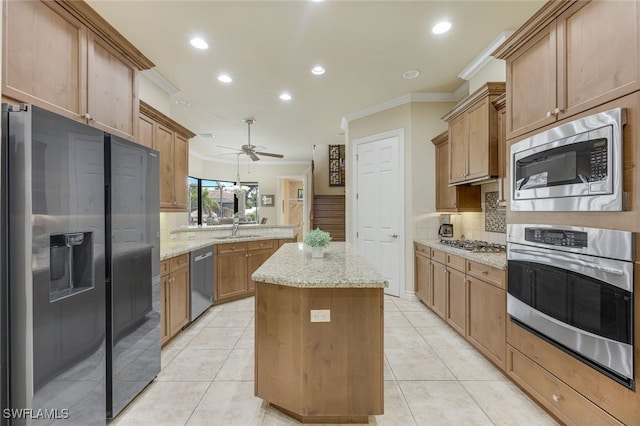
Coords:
pixel 379 208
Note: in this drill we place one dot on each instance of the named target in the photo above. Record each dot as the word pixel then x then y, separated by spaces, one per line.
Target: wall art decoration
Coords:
pixel 336 165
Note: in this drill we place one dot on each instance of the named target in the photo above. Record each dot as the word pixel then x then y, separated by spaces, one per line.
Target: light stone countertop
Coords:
pixel 341 267
pixel 497 260
pixel 174 248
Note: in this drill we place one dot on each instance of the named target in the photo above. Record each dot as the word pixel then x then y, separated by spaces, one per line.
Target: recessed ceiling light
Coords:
pixel 285 96
pixel 183 102
pixel 199 43
pixel 441 27
pixel 318 70
pixel 411 74
pixel 224 78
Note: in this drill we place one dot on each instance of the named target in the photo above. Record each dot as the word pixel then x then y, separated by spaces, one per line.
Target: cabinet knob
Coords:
pixel 556 398
pixel 548 113
pixel 556 111
pixel 88 116
pixel 485 273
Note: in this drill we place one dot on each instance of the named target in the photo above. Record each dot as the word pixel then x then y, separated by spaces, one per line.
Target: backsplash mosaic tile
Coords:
pixel 495 220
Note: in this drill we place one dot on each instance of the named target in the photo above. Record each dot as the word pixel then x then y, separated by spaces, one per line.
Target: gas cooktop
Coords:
pixel 476 246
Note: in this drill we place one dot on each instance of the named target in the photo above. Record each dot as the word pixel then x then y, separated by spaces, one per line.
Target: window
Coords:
pixel 211 204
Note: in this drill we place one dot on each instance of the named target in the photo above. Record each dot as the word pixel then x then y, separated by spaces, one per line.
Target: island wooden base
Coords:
pixel 320 372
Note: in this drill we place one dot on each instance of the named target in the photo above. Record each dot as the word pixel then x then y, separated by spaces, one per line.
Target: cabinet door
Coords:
pixel 458 149
pixel 180 172
pixel 445 194
pixel 164 144
pixel 255 260
pixel 487 320
pixel 481 143
pixel 503 186
pixel 439 283
pixel 598 55
pixel 44 49
pixel 146 131
pixel 164 306
pixel 423 280
pixel 231 275
pixel 112 98
pixel 457 300
pixel 178 300
pixel 532 84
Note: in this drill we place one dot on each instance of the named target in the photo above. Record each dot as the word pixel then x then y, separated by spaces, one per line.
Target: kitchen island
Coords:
pixel 319 335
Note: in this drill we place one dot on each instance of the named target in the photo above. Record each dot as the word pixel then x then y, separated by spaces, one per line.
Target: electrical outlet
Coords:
pixel 320 315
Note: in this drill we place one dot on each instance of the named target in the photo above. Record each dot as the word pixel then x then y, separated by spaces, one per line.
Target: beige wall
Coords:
pixel 154 95
pixel 494 70
pixel 420 121
pixel 321 172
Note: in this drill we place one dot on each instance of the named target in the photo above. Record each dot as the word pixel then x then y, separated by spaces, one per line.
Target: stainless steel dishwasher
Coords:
pixel 202 280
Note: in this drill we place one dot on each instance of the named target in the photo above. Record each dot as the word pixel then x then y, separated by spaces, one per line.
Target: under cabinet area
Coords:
pixel 87 78
pixel 473 136
pixel 551 71
pixel 174 295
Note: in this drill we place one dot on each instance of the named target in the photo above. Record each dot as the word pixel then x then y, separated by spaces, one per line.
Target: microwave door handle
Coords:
pixel 571 260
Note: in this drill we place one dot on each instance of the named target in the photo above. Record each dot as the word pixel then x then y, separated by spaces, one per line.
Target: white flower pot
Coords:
pixel 317 252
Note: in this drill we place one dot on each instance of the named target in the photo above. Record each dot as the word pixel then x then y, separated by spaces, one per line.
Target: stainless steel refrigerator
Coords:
pixel 81 250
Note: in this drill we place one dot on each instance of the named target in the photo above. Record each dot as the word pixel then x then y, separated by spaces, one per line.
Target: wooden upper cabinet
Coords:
pixel 171 140
pixel 473 136
pixel 42 65
pixel 456 198
pixel 112 100
pixel 72 62
pixel 568 58
pixel 503 187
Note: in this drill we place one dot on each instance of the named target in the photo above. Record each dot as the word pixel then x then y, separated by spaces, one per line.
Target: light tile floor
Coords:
pixel 432 376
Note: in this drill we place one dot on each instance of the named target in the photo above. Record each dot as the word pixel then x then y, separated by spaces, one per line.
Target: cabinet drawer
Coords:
pixel 560 399
pixel 230 248
pixel 486 273
pixel 261 245
pixel 164 267
pixel 179 262
pixel 455 262
pixel 439 256
pixel 423 250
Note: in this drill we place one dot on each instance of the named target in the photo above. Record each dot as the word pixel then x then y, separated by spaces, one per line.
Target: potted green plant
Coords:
pixel 317 239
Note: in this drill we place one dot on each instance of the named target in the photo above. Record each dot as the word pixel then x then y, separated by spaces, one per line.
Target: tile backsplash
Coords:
pixel 488 225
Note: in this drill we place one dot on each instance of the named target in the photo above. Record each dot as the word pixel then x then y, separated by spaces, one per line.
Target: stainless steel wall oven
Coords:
pixel 573 286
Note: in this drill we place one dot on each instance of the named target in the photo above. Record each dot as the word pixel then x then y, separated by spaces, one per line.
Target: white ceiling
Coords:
pixel 270 46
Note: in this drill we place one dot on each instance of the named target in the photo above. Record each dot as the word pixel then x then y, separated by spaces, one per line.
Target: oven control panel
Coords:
pixel 556 237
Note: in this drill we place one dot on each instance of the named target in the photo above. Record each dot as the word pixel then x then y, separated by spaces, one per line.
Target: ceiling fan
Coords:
pixel 252 151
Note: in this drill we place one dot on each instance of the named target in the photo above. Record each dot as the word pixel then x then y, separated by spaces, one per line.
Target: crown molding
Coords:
pixel 159 80
pixel 484 57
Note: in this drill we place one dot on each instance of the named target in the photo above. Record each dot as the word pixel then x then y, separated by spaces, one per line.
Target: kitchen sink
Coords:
pixel 237 237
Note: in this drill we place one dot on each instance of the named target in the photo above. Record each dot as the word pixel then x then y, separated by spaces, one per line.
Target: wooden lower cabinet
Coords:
pixel 439 283
pixel 235 263
pixel 174 296
pixel 457 300
pixel 423 287
pixel 561 400
pixel 487 319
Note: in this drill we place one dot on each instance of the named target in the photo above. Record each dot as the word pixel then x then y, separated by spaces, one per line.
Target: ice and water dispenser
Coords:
pixel 71 264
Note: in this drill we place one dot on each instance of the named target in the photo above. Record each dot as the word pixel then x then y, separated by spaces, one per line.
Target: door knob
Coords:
pixel 394 236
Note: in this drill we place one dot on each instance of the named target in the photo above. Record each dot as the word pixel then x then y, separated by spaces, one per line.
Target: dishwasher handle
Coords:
pixel 203 256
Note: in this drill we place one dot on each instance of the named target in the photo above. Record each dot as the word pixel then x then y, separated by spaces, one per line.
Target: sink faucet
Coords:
pixel 236 224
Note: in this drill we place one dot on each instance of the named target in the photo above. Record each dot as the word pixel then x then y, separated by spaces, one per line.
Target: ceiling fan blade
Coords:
pixel 268 154
pixel 253 156
pixel 228 147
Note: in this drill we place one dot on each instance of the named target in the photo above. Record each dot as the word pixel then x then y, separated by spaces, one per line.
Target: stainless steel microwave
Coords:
pixel 576 166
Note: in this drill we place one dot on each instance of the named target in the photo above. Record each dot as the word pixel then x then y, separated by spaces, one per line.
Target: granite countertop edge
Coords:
pixel 497 260
pixel 174 248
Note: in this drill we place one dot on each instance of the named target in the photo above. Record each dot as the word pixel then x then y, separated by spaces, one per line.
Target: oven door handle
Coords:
pixel 567 259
